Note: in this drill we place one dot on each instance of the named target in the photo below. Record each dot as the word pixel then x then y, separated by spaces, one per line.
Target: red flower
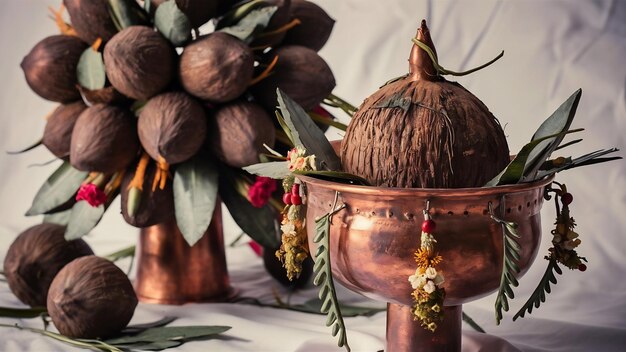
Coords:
pixel 261 191
pixel 92 194
pixel 256 248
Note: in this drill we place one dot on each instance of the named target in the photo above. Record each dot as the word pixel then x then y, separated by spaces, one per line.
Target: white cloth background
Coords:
pixel 551 49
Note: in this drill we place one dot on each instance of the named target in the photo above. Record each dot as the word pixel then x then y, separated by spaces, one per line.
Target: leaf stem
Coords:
pixel 65 339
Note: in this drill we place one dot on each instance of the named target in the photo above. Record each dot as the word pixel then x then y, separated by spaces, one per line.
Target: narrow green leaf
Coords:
pixel 274 169
pixel 126 13
pixel 254 22
pixel 30 147
pixel 195 195
pixel 136 328
pixel 121 254
pixel 60 218
pixel 539 294
pixel 467 319
pixel 172 23
pixel 236 14
pixel 169 333
pixel 90 70
pixel 22 313
pixel 259 223
pixel 337 176
pixel 584 160
pixel 83 219
pixel 568 144
pixel 151 346
pixel 305 133
pixel 60 187
pixel 558 122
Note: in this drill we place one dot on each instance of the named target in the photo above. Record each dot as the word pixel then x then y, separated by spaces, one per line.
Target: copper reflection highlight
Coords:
pixel 169 271
pixel 372 242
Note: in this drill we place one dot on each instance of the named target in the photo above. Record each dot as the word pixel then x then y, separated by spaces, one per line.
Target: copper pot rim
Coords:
pixel 425 192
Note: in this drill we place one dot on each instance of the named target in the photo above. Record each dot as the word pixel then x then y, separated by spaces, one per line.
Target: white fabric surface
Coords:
pixel 551 49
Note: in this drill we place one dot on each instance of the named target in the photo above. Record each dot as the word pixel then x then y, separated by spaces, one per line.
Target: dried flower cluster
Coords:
pixel 564 238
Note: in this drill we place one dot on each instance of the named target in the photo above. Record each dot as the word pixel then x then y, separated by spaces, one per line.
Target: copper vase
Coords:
pixel 169 271
pixel 373 240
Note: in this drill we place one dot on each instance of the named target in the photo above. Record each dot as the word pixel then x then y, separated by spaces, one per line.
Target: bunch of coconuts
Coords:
pixel 86 296
pixel 423 131
pixel 212 94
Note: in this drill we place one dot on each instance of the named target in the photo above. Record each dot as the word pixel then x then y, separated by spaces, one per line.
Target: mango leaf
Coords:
pixel 336 176
pixel 151 346
pixel 558 122
pixel 253 23
pixel 587 159
pixel 172 23
pixel 83 219
pixel 90 70
pixel 315 305
pixel 137 328
pixel 126 13
pixel 307 134
pixel 259 223
pixel 61 218
pixel 274 169
pixel 195 195
pixel 240 10
pixel 171 333
pixel 22 313
pixel 514 172
pixel 57 190
pixel 30 147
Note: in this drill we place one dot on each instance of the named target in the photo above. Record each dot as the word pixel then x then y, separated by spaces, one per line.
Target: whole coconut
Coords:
pixel 57 136
pixel 139 62
pixel 424 132
pixel 104 139
pixel 91 298
pixel 106 95
pixel 314 28
pixel 198 12
pixel 172 126
pixel 91 19
pixel 242 129
pixel 50 68
pixel 301 74
pixel 155 206
pixel 35 258
pixel 217 68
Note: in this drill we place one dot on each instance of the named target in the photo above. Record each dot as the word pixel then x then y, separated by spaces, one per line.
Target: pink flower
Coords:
pixel 92 194
pixel 261 191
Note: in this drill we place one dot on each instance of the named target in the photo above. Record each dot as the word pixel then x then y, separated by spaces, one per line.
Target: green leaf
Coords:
pixel 558 122
pixel 324 279
pixel 171 333
pixel 337 176
pixel 172 23
pixel 195 196
pixel 83 219
pixel 515 171
pixel 126 13
pixel 315 305
pixel 152 346
pixel 587 159
pixel 22 313
pixel 60 218
pixel 90 70
pixel 259 223
pixel 236 14
pixel 539 294
pixel 306 134
pixel 136 328
pixel 274 169
pixel 121 254
pixel 30 147
pixel 254 22
pixel 59 188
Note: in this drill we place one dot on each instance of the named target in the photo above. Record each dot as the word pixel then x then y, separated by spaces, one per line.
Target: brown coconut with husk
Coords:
pixel 423 131
pixel 104 139
pixel 35 258
pixel 155 205
pixel 198 12
pixel 139 62
pixel 91 298
pixel 172 127
pixel 91 19
pixel 217 68
pixel 242 129
pixel 57 136
pixel 314 28
pixel 301 73
pixel 50 68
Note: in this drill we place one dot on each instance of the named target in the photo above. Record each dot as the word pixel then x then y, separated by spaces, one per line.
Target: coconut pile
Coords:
pixel 139 79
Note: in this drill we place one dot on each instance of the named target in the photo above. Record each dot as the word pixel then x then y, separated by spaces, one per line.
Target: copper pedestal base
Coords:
pixel 406 335
pixel 169 271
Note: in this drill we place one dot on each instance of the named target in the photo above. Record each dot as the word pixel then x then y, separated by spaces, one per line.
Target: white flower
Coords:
pixel 431 272
pixel 417 280
pixel 430 287
pixel 311 162
pixel 288 229
pixel 438 280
